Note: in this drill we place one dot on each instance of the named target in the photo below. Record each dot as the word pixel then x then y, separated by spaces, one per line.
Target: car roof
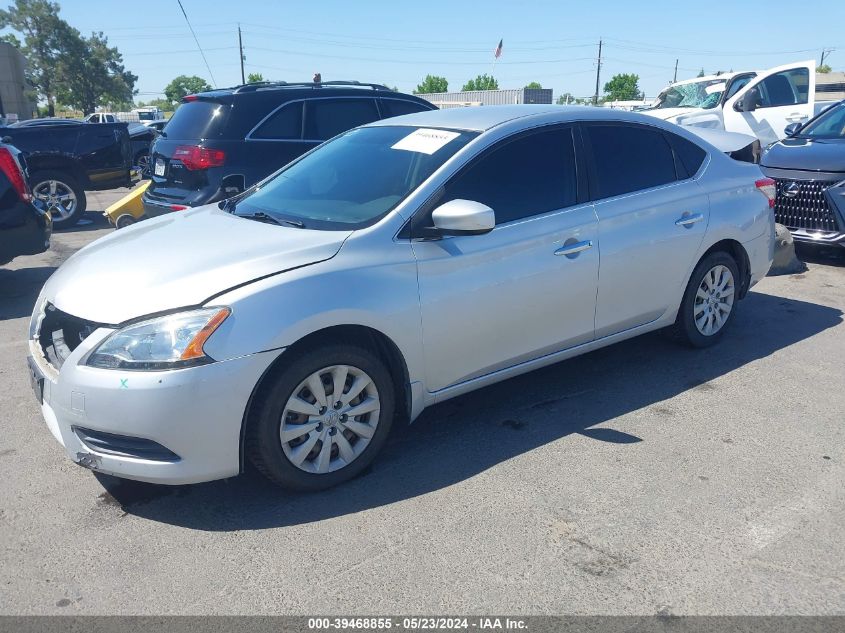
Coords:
pixel 483 118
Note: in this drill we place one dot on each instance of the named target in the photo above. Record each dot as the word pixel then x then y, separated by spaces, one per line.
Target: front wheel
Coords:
pixel 322 419
pixel 709 301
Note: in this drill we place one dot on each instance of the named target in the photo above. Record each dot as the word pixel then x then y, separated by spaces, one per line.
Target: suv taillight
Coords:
pixel 13 172
pixel 194 157
pixel 766 186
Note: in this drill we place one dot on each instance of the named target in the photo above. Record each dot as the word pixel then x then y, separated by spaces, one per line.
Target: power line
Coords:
pixel 198 43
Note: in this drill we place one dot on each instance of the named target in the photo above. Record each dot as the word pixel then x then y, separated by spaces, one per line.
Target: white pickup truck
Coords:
pixel 759 103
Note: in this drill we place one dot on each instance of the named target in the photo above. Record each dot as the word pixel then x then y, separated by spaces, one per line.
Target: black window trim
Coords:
pixel 592 177
pixel 414 229
pixel 249 136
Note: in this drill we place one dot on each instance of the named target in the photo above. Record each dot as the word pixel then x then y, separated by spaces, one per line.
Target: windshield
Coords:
pixel 701 94
pixel 146 116
pixel 829 124
pixel 354 180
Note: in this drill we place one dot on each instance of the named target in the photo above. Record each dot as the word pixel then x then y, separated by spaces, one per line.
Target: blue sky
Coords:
pixel 397 42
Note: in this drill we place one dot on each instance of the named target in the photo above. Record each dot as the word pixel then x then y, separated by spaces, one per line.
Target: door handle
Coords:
pixel 574 248
pixel 689 220
pixel 796 116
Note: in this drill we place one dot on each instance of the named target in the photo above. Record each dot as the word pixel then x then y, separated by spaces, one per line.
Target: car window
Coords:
pixel 738 83
pixel 830 124
pixel 524 177
pixel 395 107
pixel 197 120
pixel 629 158
pixel 284 123
pixel 354 179
pixel 789 87
pixel 688 153
pixel 325 118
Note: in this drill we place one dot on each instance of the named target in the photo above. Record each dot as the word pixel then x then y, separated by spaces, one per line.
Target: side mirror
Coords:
pixel 463 217
pixel 749 100
pixel 792 129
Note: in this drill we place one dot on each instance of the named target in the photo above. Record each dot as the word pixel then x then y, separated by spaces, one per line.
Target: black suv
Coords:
pixel 220 142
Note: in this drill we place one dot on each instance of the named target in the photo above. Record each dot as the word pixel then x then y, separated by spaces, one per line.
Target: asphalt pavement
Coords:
pixel 645 478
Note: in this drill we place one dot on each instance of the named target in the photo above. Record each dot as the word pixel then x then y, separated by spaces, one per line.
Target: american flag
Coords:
pixel 498 52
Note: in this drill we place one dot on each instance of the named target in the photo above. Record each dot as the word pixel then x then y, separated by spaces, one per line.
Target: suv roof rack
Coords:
pixel 262 85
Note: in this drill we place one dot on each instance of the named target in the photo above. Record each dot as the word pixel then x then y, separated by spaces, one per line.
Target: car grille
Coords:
pixel 60 334
pixel 809 209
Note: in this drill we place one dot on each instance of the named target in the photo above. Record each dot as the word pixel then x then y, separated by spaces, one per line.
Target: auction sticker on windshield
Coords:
pixel 425 141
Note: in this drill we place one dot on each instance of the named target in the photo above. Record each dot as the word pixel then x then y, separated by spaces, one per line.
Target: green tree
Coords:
pixel 45 42
pixel 482 82
pixel 432 83
pixel 566 99
pixel 185 85
pixel 824 68
pixel 161 104
pixel 623 87
pixel 534 85
pixel 92 74
pixel 254 78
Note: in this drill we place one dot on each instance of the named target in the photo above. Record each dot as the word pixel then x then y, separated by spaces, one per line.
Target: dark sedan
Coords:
pixel 24 228
pixel 809 171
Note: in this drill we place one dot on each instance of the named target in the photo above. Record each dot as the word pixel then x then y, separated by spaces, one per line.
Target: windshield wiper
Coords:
pixel 261 216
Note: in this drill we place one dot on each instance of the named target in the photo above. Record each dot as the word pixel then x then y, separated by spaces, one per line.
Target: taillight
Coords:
pixel 194 157
pixel 13 172
pixel 766 186
pixel 188 98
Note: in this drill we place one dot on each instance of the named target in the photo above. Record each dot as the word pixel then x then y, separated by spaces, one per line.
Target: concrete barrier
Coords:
pixel 785 261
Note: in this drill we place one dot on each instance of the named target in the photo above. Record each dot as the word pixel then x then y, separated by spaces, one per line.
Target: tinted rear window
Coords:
pixel 326 118
pixel 629 158
pixel 197 120
pixel 395 107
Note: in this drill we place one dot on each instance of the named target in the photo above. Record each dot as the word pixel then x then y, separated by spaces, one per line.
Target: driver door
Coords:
pixel 784 95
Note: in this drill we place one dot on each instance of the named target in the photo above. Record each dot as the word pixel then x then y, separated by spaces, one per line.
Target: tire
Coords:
pixel 702 318
pixel 277 459
pixel 56 189
pixel 123 221
pixel 142 161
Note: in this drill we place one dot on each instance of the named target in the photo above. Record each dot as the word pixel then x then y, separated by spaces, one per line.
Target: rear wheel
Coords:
pixel 322 419
pixel 142 162
pixel 709 301
pixel 62 196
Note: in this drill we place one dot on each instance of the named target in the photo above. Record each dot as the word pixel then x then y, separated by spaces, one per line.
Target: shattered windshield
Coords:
pixel 701 94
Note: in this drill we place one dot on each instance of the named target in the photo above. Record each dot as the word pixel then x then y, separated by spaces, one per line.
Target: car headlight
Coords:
pixel 167 342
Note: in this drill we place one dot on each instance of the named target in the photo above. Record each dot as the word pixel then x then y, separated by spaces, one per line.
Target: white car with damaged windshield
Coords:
pixel 398 265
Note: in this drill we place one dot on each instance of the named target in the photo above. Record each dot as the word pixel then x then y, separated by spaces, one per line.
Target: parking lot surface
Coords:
pixel 645 478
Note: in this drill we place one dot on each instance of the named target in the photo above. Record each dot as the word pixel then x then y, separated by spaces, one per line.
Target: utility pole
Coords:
pixel 241 49
pixel 676 72
pixel 825 53
pixel 598 76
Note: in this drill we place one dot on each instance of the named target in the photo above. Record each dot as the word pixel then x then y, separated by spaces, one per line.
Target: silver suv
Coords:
pixel 398 265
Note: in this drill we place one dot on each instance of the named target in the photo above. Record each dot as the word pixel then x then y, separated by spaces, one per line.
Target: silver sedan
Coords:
pixel 398 265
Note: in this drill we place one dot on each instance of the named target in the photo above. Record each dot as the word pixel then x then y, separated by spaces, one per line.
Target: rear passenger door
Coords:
pixel 652 218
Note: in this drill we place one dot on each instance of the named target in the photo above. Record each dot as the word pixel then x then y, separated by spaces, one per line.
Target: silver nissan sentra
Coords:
pixel 398 265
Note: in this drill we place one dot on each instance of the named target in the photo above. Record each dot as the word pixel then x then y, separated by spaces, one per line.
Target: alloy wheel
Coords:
pixel 57 196
pixel 714 300
pixel 329 419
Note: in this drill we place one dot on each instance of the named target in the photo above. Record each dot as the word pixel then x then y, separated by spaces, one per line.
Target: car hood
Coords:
pixel 180 259
pixel 669 113
pixel 824 154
